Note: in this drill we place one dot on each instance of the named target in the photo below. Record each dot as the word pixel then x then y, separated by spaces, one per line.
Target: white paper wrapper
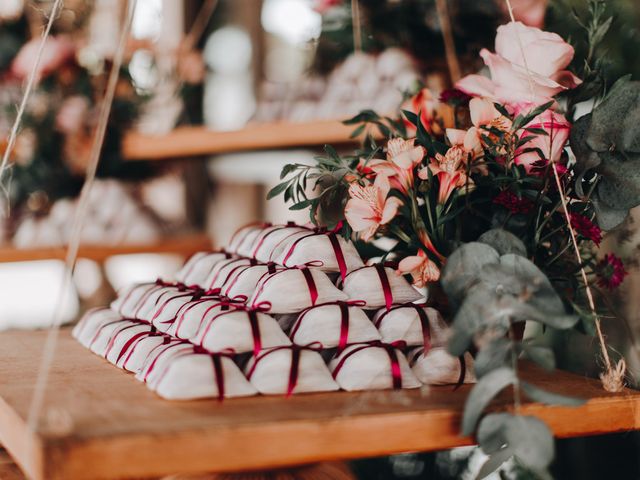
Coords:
pixel 234 330
pixel 271 373
pixel 358 368
pixel 137 354
pixel 366 284
pixel 122 340
pixel 192 376
pixel 319 247
pixel 243 283
pixel 438 367
pixel 100 341
pixel 199 266
pixel 271 240
pixel 324 324
pixel 91 322
pixel 244 237
pixel 294 289
pixel 194 316
pixel 162 307
pixel 404 323
pixel 222 270
pixel 130 299
pixel 158 358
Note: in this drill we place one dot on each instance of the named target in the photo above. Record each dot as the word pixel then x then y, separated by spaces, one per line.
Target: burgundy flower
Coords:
pixel 610 271
pixel 512 202
pixel 455 97
pixel 585 227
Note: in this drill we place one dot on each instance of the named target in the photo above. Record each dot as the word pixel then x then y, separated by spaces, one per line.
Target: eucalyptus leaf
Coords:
pixel 492 356
pixel 541 355
pixel 503 242
pixel 481 395
pixel 539 395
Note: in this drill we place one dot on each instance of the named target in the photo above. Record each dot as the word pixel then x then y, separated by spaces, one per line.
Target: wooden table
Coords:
pixel 99 422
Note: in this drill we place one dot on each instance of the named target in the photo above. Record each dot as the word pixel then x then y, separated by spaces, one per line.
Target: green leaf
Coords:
pixel 503 242
pixel 301 205
pixel 481 395
pixel 277 190
pixel 412 117
pixel 549 398
pixel 541 355
pixel 357 131
pixel 287 169
pixel 492 356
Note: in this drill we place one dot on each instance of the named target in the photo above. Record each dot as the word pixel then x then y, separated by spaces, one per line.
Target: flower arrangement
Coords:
pixel 53 144
pixel 493 198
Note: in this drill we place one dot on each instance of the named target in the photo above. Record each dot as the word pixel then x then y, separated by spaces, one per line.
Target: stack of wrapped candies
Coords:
pixel 283 309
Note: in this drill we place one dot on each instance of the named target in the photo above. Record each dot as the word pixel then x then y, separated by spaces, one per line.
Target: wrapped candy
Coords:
pixel 334 252
pixel 290 369
pixel 438 367
pixel 333 324
pixel 241 330
pixel 222 270
pixel 91 322
pixel 294 289
pixel 134 354
pixel 158 358
pixel 123 338
pixel 379 286
pixel 245 236
pixel 413 323
pixel 199 266
pixel 373 366
pixel 194 315
pixel 271 239
pixel 101 340
pixel 170 306
pixel 131 299
pixel 243 282
pixel 199 374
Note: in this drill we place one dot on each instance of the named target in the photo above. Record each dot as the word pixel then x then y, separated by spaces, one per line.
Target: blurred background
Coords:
pixel 214 97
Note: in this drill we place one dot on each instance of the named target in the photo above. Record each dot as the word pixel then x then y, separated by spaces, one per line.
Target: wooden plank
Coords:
pixel 184 245
pixel 107 425
pixel 198 141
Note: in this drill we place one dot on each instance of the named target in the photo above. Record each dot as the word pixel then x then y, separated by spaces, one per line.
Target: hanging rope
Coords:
pixel 449 43
pixel 31 83
pixel 613 377
pixel 199 25
pixel 356 26
pixel 49 348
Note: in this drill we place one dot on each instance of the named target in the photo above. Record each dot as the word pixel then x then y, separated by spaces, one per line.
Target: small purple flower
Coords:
pixel 586 228
pixel 610 271
pixel 512 202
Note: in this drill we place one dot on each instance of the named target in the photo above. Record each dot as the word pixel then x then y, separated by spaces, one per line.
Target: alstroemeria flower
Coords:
pixel 369 207
pixel 513 80
pixel 450 170
pixel 56 52
pixel 422 269
pixel 423 104
pixel 551 145
pixel 402 157
pixel 484 116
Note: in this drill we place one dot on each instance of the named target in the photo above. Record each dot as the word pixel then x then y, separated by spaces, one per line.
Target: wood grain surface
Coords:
pixel 100 423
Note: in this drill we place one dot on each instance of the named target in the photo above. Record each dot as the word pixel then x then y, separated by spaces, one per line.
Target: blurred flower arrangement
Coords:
pixel 56 135
pixel 493 198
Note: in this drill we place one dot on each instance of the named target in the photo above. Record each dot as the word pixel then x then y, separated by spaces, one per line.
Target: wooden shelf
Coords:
pixel 198 141
pixel 185 245
pixel 104 424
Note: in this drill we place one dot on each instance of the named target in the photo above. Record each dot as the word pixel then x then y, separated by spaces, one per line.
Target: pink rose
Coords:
pixel 551 145
pixel 56 52
pixel 547 56
pixel 529 12
pixel 72 114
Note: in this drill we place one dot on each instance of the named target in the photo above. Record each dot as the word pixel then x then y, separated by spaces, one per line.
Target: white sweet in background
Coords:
pixel 370 368
pixel 365 284
pixel 438 367
pixel 188 377
pixel 404 323
pixel 289 291
pixel 113 217
pixel 323 324
pixel 271 374
pixel 198 267
pixel 393 60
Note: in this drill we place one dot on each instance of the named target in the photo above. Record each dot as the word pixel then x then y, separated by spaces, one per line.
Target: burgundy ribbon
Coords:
pixel 344 320
pixel 335 245
pixel 167 343
pixel 422 315
pixel 99 331
pixel 153 333
pixel 311 284
pixel 114 335
pixel 390 348
pixel 386 287
pixel 294 371
pixel 463 372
